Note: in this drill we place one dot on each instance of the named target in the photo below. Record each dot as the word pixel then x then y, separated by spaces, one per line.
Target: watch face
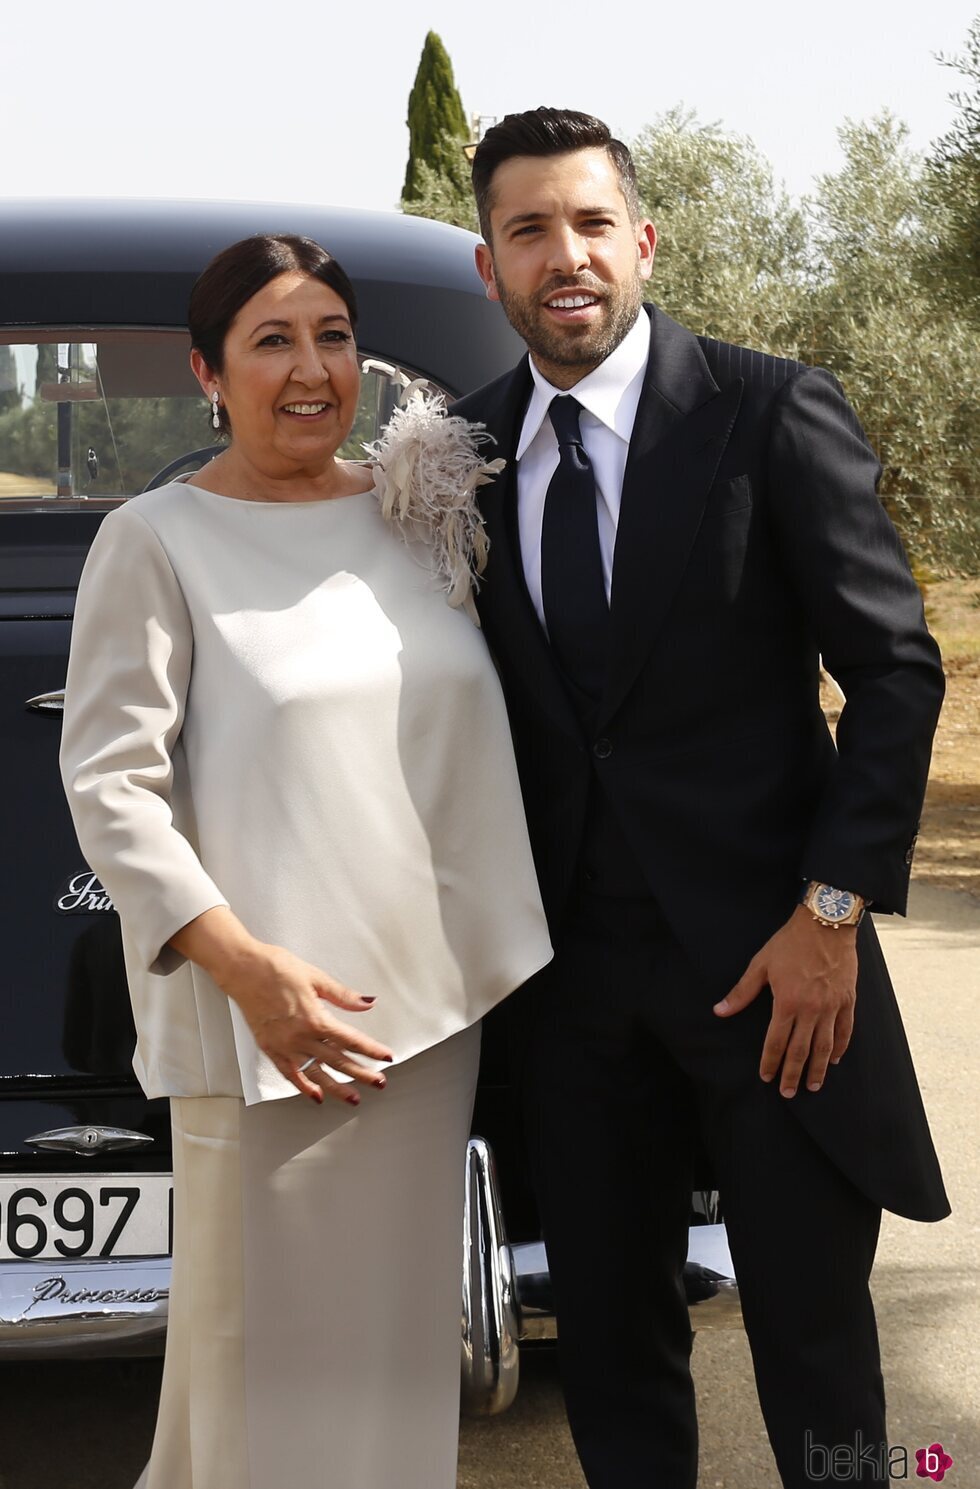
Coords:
pixel 833 904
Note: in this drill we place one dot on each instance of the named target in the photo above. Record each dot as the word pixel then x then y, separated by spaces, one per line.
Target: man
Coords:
pixel 682 530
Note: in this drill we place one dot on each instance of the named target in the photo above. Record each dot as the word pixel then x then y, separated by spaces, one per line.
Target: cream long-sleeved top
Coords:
pixel 270 705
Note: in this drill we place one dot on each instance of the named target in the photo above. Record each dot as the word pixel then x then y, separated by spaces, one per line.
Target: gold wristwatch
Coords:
pixel 833 907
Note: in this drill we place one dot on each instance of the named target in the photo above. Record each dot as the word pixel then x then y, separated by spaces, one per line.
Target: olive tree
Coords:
pixel 730 257
pixel 909 361
pixel 952 184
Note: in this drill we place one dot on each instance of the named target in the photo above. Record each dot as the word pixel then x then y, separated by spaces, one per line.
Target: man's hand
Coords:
pixel 812 971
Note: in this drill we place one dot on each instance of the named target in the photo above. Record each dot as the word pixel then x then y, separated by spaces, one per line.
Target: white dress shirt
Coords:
pixel 609 397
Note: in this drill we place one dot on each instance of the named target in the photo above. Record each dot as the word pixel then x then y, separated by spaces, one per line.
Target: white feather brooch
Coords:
pixel 429 470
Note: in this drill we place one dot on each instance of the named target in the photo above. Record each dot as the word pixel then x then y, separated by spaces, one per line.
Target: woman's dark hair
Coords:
pixel 547 132
pixel 237 273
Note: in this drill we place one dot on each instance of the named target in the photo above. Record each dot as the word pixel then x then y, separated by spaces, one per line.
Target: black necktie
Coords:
pixel 572 585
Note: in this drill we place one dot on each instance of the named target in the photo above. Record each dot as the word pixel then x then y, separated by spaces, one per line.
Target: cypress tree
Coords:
pixel 436 122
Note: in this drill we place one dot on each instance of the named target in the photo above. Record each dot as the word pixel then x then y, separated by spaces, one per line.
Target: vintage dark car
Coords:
pixel 97 403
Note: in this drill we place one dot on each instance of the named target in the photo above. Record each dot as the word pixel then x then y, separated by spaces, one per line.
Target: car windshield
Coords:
pixel 107 413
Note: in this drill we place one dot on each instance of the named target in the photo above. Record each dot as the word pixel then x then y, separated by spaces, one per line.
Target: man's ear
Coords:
pixel 484 267
pixel 646 244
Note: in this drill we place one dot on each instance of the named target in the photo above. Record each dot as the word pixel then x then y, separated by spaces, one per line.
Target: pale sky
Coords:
pixel 306 102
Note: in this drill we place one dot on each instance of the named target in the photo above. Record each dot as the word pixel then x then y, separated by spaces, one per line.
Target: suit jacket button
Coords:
pixel 602 749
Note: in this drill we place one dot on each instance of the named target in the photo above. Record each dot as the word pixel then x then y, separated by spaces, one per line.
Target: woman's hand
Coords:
pixel 283 1001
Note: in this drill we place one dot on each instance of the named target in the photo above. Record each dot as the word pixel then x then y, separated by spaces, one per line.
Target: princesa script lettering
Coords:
pixel 83 895
pixel 57 1288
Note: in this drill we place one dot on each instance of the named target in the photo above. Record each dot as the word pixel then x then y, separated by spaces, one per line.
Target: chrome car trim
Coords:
pixel 709 1276
pixel 88 1140
pixel 491 1321
pixel 84 1308
pixel 104 1307
pixel 533 1282
pixel 709 1279
pixel 47 702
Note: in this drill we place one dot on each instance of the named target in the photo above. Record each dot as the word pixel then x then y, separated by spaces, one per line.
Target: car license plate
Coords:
pixel 57 1216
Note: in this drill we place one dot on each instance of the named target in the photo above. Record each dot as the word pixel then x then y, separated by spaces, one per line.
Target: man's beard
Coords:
pixel 581 346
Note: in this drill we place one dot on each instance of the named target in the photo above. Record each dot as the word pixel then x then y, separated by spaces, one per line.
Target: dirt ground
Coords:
pixel 949 843
pixel 19 486
pixel 948 851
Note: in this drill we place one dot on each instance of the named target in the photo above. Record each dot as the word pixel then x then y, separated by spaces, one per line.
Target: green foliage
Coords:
pixel 908 358
pixel 9 394
pixel 133 439
pixel 436 125
pixel 840 281
pixel 371 411
pixel 952 186
pixel 876 276
pixel 730 255
pixel 28 440
pixel 444 196
pixel 866 219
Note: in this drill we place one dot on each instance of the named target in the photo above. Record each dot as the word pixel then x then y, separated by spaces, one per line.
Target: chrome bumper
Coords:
pixel 110 1308
pixel 507 1290
pixel 83 1308
pixel 709 1279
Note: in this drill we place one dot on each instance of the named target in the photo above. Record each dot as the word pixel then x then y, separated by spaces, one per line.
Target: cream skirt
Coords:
pixel 314 1333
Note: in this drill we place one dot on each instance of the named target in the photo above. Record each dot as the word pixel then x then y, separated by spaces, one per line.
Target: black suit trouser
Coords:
pixel 621 1065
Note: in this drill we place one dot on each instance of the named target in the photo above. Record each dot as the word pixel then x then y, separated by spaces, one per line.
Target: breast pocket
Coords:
pixel 726 498
pixel 719 555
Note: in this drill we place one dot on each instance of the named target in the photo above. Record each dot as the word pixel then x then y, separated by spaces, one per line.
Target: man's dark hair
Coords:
pixel 237 273
pixel 547 132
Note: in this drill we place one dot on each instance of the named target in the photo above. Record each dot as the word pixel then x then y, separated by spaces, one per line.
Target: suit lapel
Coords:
pixel 504 602
pixel 682 426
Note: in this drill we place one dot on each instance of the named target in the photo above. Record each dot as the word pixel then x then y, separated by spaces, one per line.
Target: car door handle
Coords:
pixel 47 702
pixel 88 1139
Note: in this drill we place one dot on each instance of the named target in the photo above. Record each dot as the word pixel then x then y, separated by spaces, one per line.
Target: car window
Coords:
pixel 107 413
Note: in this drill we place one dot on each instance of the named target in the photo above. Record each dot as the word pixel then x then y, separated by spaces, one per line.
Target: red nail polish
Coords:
pixel 380 1082
pixel 353 1098
pixel 366 998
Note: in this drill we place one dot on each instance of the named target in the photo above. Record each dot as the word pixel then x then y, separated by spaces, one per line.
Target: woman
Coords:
pixel 288 761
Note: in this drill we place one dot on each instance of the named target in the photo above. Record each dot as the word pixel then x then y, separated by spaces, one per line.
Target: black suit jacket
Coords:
pixel 751 540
